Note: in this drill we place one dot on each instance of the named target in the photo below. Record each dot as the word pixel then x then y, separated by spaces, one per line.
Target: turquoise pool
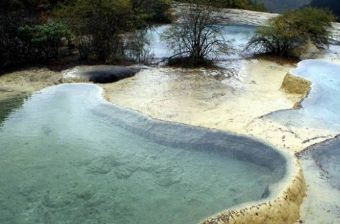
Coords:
pixel 67 156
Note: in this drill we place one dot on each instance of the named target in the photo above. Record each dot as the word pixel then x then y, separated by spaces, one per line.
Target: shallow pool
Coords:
pixel 321 165
pixel 327 157
pixel 66 156
pixel 321 107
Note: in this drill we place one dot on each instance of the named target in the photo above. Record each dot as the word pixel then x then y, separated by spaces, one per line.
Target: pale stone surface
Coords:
pixel 240 106
pixel 199 97
pixel 234 16
pixel 322 202
pixel 237 104
pixel 27 81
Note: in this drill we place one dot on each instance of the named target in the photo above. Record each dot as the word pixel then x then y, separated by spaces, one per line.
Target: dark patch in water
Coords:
pixel 326 156
pixel 110 74
pixel 7 106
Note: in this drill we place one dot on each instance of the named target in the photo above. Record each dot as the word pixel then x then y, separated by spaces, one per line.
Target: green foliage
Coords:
pixel 292 30
pixel 241 4
pixel 279 6
pixel 152 11
pixel 104 23
pixel 25 39
pixel 99 27
pixel 47 36
pixel 238 4
pixel 15 5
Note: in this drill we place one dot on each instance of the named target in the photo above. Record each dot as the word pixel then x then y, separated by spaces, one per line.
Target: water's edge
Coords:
pixel 286 194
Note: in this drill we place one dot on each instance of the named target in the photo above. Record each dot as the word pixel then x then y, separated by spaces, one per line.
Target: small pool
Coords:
pixel 67 156
pixel 321 107
pixel 321 165
pixel 327 158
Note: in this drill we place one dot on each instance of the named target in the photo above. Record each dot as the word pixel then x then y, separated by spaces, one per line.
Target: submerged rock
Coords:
pixel 296 85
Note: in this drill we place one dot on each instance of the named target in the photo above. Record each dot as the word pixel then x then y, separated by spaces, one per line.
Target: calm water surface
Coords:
pixel 67 157
pixel 321 108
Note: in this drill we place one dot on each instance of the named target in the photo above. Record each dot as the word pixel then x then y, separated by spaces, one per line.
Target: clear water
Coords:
pixel 321 108
pixel 9 105
pixel 67 157
pixel 237 35
pixel 327 157
pixel 321 165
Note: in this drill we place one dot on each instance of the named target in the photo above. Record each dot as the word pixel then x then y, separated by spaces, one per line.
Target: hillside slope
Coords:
pixel 283 5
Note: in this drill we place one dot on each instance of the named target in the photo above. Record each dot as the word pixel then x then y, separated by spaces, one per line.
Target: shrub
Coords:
pixel 292 30
pixel 43 41
pixel 104 24
pixel 238 4
pixel 152 11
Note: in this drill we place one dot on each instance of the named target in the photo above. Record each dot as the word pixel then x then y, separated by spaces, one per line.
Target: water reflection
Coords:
pixel 237 36
pixel 10 104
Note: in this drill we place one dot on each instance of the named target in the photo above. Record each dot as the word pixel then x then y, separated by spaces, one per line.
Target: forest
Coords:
pixel 83 31
pixel 38 31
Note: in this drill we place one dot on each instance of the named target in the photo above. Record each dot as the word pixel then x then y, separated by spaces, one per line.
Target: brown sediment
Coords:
pixel 282 210
pixel 297 86
pixel 27 81
pixel 190 97
pixel 196 97
pixel 236 104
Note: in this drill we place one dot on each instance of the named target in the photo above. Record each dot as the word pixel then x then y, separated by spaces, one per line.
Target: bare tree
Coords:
pixel 196 38
pixel 137 47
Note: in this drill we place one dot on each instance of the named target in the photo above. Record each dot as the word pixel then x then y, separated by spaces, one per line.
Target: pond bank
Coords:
pixel 204 98
pixel 321 169
pixel 237 104
pixel 27 81
pixel 122 165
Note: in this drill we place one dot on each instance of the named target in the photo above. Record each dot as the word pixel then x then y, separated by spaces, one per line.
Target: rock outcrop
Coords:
pixel 296 85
